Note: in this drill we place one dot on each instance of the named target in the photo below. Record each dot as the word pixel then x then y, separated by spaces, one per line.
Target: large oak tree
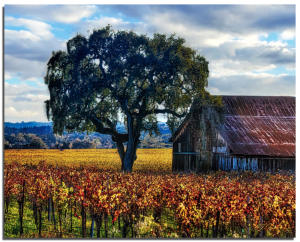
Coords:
pixel 112 77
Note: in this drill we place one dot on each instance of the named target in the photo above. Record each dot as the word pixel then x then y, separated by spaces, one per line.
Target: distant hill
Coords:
pixel 26 124
pixel 44 130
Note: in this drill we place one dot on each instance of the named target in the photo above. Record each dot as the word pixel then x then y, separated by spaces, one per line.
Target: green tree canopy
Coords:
pixel 113 77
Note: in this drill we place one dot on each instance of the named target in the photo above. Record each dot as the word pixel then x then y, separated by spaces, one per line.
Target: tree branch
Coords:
pixel 111 131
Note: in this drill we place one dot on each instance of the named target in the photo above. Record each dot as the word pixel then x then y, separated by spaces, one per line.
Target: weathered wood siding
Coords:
pixel 228 162
pixel 190 153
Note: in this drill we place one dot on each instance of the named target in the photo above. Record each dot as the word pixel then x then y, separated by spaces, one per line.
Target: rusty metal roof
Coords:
pixel 257 125
pixel 260 125
pixel 259 106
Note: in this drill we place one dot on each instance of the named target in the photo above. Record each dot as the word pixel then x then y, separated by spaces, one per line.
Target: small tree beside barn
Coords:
pixel 246 133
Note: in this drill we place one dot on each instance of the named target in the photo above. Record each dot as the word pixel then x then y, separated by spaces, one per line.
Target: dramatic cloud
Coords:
pixel 27 50
pixel 224 18
pixel 26 45
pixel 250 48
pixel 24 68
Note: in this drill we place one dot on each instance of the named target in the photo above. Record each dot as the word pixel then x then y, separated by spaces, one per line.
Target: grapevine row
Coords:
pixel 208 205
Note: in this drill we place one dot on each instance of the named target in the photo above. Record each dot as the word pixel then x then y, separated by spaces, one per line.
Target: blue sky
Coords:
pixel 250 48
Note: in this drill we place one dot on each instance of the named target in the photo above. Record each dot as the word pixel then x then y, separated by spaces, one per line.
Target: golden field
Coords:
pixel 155 160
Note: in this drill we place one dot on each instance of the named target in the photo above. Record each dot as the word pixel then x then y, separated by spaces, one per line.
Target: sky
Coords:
pixel 250 48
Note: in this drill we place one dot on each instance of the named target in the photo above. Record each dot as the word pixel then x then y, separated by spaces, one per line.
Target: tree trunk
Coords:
pixel 121 152
pixel 129 159
pixel 133 140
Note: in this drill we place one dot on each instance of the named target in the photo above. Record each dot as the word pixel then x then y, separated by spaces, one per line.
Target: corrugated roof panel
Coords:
pixel 259 105
pixel 260 125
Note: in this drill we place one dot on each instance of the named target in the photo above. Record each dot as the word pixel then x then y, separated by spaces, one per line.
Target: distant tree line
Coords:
pixel 24 141
pixel 32 141
pixel 25 137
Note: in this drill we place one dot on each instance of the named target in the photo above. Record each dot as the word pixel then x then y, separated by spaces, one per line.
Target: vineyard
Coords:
pixel 149 160
pixel 55 196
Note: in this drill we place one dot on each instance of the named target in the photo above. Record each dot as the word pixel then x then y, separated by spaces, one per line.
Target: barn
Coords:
pixel 251 133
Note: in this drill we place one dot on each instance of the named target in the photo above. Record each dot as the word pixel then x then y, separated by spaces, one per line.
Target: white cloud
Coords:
pixel 253 84
pixel 72 13
pixel 23 89
pixel 21 35
pixel 7 76
pixel 37 29
pixel 89 25
pixel 196 36
pixel 24 103
pixel 20 115
pixel 288 34
pixel 59 13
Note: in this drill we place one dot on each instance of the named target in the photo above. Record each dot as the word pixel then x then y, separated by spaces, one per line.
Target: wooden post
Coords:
pixel 49 209
pixel 21 208
pixel 60 222
pixel 92 226
pixel 98 224
pixel 53 214
pixel 260 164
pixel 40 221
pixel 35 215
pixel 71 217
pixel 105 225
pixel 83 218
pixel 215 233
pixel 125 226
